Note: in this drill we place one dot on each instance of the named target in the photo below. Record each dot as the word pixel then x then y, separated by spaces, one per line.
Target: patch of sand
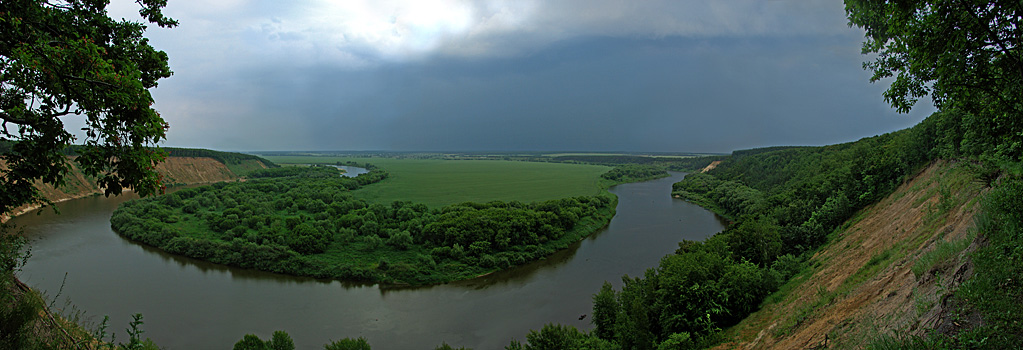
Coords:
pixel 711 166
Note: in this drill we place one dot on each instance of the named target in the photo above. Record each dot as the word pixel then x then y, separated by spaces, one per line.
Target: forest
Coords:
pixel 785 203
pixel 305 221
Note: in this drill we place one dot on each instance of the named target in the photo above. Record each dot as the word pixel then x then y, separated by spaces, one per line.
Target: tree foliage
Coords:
pixel 965 54
pixel 348 344
pixel 65 58
pixel 280 340
pixel 634 173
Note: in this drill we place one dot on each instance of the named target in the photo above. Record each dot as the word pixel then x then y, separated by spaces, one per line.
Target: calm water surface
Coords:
pixel 189 304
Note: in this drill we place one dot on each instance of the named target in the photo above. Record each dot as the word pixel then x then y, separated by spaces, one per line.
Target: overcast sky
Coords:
pixel 573 75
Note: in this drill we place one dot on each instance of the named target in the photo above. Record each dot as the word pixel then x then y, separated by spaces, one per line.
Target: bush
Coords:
pixel 787 266
pixel 348 344
pixel 401 240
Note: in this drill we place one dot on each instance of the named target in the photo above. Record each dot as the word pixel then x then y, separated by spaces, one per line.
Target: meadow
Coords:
pixel 439 182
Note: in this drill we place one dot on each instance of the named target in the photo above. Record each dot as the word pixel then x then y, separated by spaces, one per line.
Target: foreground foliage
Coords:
pixel 282 341
pixel 68 58
pixel 965 54
pixel 26 322
pixel 305 221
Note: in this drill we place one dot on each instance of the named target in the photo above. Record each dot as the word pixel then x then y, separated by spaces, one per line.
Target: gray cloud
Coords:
pixel 517 75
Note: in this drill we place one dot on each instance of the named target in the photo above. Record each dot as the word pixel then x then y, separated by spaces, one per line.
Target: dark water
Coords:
pixel 190 304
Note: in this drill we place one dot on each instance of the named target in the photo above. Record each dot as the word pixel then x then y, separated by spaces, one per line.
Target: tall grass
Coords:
pixel 942 255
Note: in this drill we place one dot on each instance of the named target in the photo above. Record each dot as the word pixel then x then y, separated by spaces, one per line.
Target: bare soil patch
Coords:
pixel 176 171
pixel 710 166
pixel 862 284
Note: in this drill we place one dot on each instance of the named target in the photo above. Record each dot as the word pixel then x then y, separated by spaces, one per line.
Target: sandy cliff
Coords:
pixel 176 171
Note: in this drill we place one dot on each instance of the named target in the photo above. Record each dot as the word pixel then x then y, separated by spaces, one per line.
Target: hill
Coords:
pixel 887 271
pixel 182 167
pixel 866 243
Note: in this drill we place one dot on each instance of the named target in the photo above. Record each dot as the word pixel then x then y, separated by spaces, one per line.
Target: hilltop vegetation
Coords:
pixel 786 203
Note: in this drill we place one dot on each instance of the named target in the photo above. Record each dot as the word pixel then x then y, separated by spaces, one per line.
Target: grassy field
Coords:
pixel 437 182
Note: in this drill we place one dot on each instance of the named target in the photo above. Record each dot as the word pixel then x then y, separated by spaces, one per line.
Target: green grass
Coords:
pixel 437 182
pixel 942 255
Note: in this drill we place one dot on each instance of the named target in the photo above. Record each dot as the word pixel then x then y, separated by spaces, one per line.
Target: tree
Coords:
pixel 348 344
pixel 605 311
pixel 68 58
pixel 965 54
pixel 553 337
pixel 250 342
pixel 279 341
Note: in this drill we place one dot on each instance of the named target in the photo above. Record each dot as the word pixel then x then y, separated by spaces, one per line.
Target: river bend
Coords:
pixel 190 304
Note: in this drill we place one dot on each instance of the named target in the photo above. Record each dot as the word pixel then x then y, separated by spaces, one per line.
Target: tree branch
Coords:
pixel 97 82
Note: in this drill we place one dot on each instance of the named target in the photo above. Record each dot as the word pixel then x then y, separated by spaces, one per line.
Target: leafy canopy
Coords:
pixel 965 54
pixel 68 58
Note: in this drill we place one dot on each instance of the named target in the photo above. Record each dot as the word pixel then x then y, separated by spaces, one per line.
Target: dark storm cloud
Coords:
pixel 600 94
pixel 522 75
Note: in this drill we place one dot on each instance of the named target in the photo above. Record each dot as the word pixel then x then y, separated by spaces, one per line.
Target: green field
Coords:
pixel 438 182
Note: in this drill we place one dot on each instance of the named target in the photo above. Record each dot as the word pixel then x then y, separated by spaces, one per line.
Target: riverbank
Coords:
pixel 307 222
pixel 190 303
pixel 177 171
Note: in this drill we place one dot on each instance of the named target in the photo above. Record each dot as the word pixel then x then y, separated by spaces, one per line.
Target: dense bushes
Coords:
pixel 808 191
pixel 633 173
pixel 690 295
pixel 305 221
pixel 995 289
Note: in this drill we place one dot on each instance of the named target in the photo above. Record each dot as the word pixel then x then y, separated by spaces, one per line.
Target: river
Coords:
pixel 190 304
pixel 351 171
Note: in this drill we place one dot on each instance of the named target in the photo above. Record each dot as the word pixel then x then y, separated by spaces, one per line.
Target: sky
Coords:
pixel 515 75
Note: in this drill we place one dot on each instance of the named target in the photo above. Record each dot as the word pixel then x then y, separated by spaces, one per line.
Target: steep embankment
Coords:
pixel 176 171
pixel 886 271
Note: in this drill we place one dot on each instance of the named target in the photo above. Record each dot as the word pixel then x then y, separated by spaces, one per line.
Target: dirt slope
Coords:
pixel 862 284
pixel 176 171
pixel 193 170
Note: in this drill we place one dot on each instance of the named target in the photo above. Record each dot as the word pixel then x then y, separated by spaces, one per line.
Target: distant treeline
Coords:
pixel 367 166
pixel 755 151
pixel 228 158
pixel 305 221
pixel 667 161
pixel 634 173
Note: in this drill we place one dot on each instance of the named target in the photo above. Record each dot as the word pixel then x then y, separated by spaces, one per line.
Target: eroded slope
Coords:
pixel 863 283
pixel 176 171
